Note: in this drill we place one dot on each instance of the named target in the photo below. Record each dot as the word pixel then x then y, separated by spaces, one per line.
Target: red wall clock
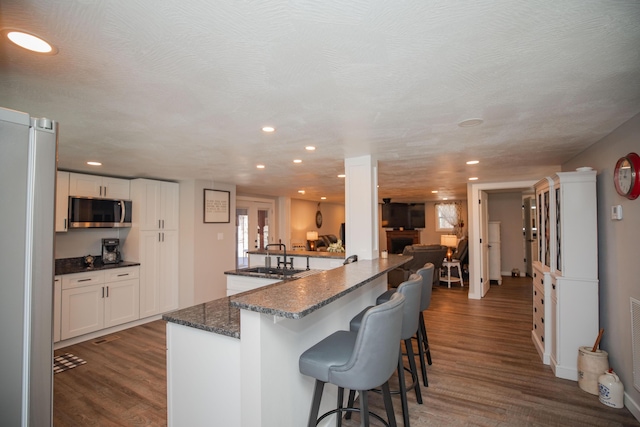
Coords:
pixel 626 176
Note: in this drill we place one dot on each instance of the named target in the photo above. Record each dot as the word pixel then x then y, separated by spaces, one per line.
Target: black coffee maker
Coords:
pixel 111 251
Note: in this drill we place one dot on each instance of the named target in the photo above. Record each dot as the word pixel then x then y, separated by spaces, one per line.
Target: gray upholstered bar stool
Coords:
pixel 411 289
pixel 358 360
pixel 426 273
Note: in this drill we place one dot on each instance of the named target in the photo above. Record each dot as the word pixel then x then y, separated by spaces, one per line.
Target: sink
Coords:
pixel 270 271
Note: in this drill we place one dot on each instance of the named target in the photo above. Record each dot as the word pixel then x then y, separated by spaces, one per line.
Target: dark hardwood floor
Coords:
pixel 123 382
pixel 485 372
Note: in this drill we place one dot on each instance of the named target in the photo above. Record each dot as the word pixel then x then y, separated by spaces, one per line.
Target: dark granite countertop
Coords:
pixel 293 299
pixel 246 272
pixel 217 316
pixel 77 265
pixel 310 254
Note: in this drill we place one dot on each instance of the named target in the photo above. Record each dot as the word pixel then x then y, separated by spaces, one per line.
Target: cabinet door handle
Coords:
pixel 65 223
pixel 84 280
pixel 163 237
pixel 159 226
pixel 107 292
pixel 103 292
pixel 105 191
pixel 163 223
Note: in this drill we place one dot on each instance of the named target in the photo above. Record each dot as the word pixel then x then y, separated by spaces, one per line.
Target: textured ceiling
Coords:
pixel 181 89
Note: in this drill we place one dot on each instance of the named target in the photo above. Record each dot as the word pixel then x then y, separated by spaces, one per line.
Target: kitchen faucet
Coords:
pixel 284 250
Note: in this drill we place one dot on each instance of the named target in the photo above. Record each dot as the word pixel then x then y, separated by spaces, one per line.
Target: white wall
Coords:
pixel 303 219
pixel 507 208
pixel 206 250
pixel 619 269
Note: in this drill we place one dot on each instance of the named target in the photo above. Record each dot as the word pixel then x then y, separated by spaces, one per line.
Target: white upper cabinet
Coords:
pixel 82 185
pixel 156 204
pixel 62 201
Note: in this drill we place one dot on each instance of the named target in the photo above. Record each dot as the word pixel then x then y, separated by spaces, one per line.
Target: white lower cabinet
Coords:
pixel 95 300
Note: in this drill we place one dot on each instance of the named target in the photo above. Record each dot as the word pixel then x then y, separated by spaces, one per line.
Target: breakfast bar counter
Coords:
pixel 234 361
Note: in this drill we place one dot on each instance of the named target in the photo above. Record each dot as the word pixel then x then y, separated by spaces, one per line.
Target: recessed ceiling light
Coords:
pixel 297 161
pixel 445 198
pixel 268 129
pixel 434 191
pixel 30 42
pixel 301 191
pixel 470 123
pixel 341 175
pixel 323 198
pixel 260 166
pixel 94 163
pixel 473 162
pixel 475 178
pixel 309 148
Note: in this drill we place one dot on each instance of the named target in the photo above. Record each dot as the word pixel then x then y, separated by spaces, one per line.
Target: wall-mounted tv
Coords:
pixel 403 215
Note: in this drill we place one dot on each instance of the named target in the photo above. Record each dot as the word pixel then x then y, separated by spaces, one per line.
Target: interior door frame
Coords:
pixel 252 204
pixel 478 216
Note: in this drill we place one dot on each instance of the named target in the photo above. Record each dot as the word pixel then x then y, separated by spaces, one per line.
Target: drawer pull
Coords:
pixel 554 286
pixel 535 309
pixel 85 280
pixel 122 275
pixel 542 338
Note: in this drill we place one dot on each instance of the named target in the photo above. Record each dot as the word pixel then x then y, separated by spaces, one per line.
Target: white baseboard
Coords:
pixel 102 332
pixel 632 406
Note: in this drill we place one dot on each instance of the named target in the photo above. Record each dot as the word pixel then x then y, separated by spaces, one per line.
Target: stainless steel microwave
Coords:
pixel 85 212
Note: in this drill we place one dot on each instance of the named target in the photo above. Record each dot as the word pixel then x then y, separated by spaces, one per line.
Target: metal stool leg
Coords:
pixel 364 408
pixel 339 406
pixel 388 404
pixel 425 340
pixel 421 356
pixel 352 399
pixel 403 392
pixel 315 404
pixel 414 370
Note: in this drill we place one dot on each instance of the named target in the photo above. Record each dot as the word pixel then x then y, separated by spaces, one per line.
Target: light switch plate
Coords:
pixel 616 212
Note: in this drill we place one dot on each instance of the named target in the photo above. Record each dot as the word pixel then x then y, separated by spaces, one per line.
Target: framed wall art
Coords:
pixel 216 206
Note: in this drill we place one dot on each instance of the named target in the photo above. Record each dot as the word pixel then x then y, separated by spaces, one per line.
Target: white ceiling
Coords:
pixel 181 89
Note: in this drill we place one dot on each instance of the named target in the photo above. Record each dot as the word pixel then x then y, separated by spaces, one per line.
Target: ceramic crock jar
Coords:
pixel 611 389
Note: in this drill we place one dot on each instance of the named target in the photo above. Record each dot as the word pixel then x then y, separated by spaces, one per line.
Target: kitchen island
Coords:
pixel 234 361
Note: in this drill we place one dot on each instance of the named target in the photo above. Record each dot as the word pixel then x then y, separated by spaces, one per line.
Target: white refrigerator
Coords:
pixel 28 148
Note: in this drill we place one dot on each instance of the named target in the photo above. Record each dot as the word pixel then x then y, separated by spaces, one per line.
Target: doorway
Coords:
pixel 253 231
pixel 478 219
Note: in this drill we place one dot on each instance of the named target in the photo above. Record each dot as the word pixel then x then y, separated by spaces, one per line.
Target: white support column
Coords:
pixel 361 207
